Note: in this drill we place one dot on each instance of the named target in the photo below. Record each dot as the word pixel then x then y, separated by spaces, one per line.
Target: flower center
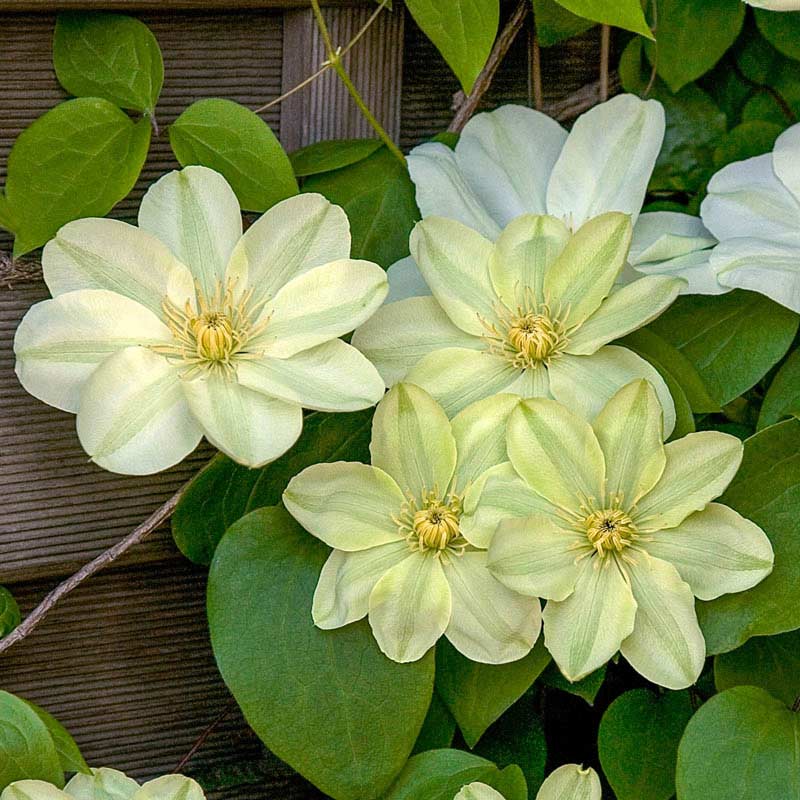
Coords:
pixel 436 527
pixel 534 336
pixel 214 335
pixel 432 523
pixel 609 529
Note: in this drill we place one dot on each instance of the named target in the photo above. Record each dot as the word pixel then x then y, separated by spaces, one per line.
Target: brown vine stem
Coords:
pixel 536 70
pixel 201 739
pixel 605 51
pixel 482 83
pixel 137 535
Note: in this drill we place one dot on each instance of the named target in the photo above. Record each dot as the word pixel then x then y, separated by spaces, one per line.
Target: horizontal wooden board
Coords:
pixel 134 6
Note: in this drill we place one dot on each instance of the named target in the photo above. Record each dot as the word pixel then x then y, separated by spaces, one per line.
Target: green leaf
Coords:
pixel 69 755
pixel 783 396
pixel 767 491
pixel 677 55
pixel 224 491
pixel 751 138
pixel 477 694
pixel 331 155
pixel 9 612
pixel 771 662
pixel 110 56
pixel 438 729
pixel 462 30
pixel 329 703
pixel 638 743
pixel 586 688
pixel 625 14
pixel 732 340
pixel 782 31
pixel 231 139
pixel 27 747
pixel 378 196
pixel 440 774
pixel 741 744
pixel 77 160
pixel 554 23
pixel 6 220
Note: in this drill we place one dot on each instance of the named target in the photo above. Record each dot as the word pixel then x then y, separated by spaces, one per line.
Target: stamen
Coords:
pixel 432 523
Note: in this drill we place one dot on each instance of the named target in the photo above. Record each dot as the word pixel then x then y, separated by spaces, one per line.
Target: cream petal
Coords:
pixel 405 280
pixel 660 236
pixel 694 269
pixel 170 787
pixel 133 417
pixel 478 791
pixel 532 382
pixel 785 157
pixel 571 782
pixel 716 551
pixel 666 644
pixel 410 607
pixel 30 789
pixel 247 426
pixel 329 377
pixel 60 342
pixel 101 784
pixel 196 214
pixel 489 623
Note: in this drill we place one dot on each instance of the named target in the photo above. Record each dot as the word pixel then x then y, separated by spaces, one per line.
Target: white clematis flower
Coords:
pixel 515 160
pixel 776 5
pixel 753 208
pixel 618 532
pixel 182 326
pixel 478 791
pixel 531 314
pixel 399 553
pixel 571 782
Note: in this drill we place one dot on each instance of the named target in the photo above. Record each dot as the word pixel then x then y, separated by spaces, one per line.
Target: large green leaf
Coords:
pixel 9 612
pixel 771 662
pixel 69 755
pixel 224 491
pixel 110 56
pixel 231 139
pixel 77 160
pixel 26 746
pixel 638 743
pixel 620 13
pixel 438 729
pixel 586 688
pixel 327 702
pixel 741 744
pixel 477 694
pixel 783 396
pixel 732 339
pixel 782 31
pixel 331 155
pixel 751 138
pixel 554 23
pixel 378 196
pixel 767 491
pixel 677 55
pixel 462 30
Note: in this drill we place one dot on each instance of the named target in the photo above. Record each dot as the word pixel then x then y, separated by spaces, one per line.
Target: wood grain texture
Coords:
pixel 135 6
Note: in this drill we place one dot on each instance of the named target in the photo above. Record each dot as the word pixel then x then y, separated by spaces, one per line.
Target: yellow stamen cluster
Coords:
pixel 609 529
pixel 432 523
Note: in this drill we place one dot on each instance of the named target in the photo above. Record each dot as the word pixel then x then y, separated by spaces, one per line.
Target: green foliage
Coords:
pixel 438 729
pixel 554 23
pixel 110 56
pixel 783 396
pixel 462 30
pixel 586 688
pixel 298 685
pixel 743 744
pixel 638 743
pixel 331 155
pixel 621 13
pixel 782 31
pixel 767 491
pixel 69 755
pixel 237 143
pixel 224 491
pixel 751 138
pixel 9 612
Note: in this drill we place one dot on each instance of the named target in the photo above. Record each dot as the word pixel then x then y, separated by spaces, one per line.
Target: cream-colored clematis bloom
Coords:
pixel 531 314
pixel 776 5
pixel 478 791
pixel 400 555
pixel 571 782
pixel 618 532
pixel 182 327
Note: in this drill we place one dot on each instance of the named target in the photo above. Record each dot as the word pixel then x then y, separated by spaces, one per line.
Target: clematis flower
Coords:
pixel 620 534
pixel 776 5
pixel 531 314
pixel 478 791
pixel 571 782
pixel 753 208
pixel 515 160
pixel 399 553
pixel 182 326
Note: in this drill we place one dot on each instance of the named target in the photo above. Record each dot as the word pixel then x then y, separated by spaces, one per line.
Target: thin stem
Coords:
pixel 536 70
pixel 201 739
pixel 323 28
pixel 365 27
pixel 301 85
pixel 605 50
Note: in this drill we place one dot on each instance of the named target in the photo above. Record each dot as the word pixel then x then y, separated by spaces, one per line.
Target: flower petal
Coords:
pixel 506 157
pixel 523 254
pixel 699 468
pixel 532 383
pixel 412 440
pixel 716 551
pixel 347 580
pixel 660 236
pixel 580 279
pixel 585 630
pixel 329 377
pixel 109 254
pixel 133 417
pixel 571 782
pixel 454 260
pixel 247 426
pixel 556 453
pixel 410 606
pixel 489 623
pixel 405 280
pixel 478 791
pixel 625 310
pixel 196 214
pixel 666 645
pixel 322 304
pixel 60 342
pixel 629 430
pixel 456 377
pixel 400 334
pixel 587 383
pixel 607 160
pixel 292 237
pixel 694 269
pixel 347 505
pixel 785 156
pixel 536 556
pixel 442 189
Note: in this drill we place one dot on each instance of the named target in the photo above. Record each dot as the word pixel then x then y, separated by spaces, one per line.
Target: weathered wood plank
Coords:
pixel 133 6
